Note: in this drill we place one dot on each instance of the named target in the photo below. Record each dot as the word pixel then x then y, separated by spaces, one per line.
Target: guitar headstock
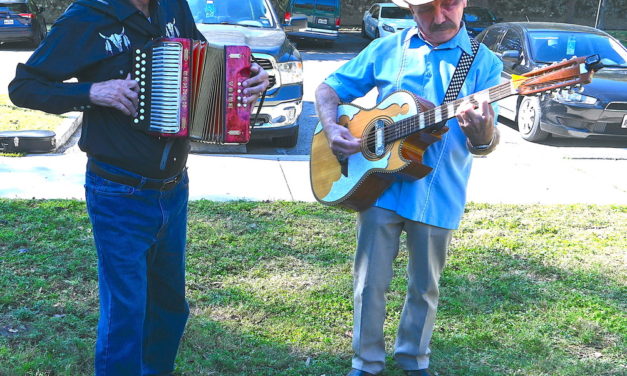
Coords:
pixel 574 72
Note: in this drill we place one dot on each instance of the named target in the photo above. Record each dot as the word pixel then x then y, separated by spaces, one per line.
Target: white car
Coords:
pixel 384 19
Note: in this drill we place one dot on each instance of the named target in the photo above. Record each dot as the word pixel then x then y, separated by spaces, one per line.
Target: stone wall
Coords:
pixel 569 11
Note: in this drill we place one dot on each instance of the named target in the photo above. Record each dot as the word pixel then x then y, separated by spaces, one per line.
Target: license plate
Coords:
pixel 624 125
pixel 8 22
pixel 323 21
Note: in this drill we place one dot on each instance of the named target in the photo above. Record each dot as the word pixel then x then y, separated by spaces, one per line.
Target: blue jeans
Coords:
pixel 140 240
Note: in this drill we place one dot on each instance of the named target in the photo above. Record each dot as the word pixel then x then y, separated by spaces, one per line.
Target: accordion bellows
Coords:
pixel 193 89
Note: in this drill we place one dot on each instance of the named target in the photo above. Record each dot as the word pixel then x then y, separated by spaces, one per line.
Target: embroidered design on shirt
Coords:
pixel 171 31
pixel 116 42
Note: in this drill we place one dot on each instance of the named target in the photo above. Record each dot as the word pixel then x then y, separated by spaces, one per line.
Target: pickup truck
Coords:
pixel 255 23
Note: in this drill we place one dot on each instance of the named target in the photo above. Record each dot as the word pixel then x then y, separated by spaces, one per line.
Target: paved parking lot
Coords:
pixel 559 170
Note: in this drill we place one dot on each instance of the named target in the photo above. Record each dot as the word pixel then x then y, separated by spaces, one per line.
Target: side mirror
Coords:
pixel 511 56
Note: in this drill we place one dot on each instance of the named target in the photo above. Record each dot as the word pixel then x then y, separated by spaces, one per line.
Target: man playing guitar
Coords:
pixel 420 60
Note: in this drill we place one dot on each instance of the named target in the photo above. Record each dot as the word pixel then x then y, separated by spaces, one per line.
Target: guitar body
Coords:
pixel 357 181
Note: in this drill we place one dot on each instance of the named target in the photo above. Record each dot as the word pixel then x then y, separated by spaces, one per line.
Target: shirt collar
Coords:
pixel 461 39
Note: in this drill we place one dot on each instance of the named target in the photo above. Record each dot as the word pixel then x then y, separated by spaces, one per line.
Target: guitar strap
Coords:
pixel 461 71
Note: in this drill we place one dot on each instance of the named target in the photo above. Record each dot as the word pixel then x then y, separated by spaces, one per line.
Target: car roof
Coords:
pixel 387 5
pixel 13 1
pixel 552 26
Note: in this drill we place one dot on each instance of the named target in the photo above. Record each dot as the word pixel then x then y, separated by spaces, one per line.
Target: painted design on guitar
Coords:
pixel 357 165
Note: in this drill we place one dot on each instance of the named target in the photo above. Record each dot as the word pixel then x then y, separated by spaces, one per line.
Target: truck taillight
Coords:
pixel 288 17
pixel 27 15
pixel 337 22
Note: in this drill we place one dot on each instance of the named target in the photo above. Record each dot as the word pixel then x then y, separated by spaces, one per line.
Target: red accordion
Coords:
pixel 192 89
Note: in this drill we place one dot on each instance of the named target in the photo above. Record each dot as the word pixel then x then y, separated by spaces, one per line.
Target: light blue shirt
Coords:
pixel 439 198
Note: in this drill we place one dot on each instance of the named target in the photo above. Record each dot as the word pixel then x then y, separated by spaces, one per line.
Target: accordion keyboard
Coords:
pixel 160 87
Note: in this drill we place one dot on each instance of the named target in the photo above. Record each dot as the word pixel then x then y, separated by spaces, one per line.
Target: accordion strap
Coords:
pixel 263 97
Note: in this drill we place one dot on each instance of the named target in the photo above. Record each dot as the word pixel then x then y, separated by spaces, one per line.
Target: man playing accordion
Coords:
pixel 136 183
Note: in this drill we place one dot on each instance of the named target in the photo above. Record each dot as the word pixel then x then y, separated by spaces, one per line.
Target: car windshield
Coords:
pixel 552 46
pixel 478 15
pixel 394 12
pixel 251 13
pixel 13 8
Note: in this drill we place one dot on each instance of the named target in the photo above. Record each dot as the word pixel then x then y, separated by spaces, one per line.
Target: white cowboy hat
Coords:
pixel 407 3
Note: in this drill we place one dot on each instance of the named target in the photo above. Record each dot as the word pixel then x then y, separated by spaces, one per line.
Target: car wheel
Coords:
pixel 528 119
pixel 363 31
pixel 376 34
pixel 287 141
pixel 37 39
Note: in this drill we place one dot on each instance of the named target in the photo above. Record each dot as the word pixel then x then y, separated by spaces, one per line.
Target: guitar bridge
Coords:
pixel 379 138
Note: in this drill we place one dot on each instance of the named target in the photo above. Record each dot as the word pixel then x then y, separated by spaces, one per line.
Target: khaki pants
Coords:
pixel 378 233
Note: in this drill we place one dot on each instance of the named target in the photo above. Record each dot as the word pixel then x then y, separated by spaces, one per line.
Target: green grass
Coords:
pixel 13 118
pixel 621 35
pixel 528 290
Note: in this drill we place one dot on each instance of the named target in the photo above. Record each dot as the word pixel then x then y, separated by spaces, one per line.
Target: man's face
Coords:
pixel 439 20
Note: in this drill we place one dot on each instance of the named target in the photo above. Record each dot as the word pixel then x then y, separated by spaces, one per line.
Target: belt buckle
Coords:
pixel 171 181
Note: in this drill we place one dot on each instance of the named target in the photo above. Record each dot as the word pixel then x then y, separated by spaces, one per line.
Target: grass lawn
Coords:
pixel 528 290
pixel 14 118
pixel 621 35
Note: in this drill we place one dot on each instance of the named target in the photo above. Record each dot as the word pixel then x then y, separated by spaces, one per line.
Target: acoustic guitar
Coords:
pixel 397 131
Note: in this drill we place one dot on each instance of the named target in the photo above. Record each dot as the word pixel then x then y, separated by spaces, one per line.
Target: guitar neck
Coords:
pixel 436 116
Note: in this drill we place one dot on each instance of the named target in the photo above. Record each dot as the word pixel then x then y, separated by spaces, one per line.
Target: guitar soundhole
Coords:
pixel 374 141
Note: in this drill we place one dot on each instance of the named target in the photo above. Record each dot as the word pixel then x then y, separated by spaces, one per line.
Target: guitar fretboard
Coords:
pixel 436 116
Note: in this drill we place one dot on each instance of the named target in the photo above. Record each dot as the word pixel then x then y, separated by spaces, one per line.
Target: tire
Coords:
pixel 287 141
pixel 36 40
pixel 528 120
pixel 376 34
pixel 363 31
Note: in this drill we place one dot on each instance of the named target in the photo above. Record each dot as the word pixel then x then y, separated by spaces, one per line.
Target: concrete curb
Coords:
pixel 67 128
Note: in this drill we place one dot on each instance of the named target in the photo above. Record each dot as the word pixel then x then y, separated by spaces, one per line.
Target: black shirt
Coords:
pixel 93 42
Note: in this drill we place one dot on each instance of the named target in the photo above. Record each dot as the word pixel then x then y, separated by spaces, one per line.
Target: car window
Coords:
pixel 303 4
pixel 552 46
pixel 13 8
pixel 511 41
pixel 254 13
pixel 394 12
pixel 375 12
pixel 327 5
pixel 478 15
pixel 491 38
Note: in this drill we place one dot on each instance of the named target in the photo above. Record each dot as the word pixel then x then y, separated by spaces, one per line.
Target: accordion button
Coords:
pixel 143 69
pixel 143 76
pixel 144 55
pixel 136 121
pixel 137 79
pixel 143 90
pixel 141 111
pixel 137 65
pixel 142 117
pixel 137 73
pixel 138 51
pixel 143 97
pixel 137 58
pixel 142 104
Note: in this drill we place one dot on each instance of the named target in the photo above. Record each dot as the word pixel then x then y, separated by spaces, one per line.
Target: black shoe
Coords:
pixel 358 372
pixel 420 372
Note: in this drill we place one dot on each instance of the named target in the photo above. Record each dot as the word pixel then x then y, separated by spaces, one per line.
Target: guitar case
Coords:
pixel 35 141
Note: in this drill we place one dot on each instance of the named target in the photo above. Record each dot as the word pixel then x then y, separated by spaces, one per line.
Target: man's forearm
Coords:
pixel 326 104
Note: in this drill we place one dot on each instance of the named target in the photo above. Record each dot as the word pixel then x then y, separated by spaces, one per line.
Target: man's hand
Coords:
pixel 118 94
pixel 341 141
pixel 477 125
pixel 255 86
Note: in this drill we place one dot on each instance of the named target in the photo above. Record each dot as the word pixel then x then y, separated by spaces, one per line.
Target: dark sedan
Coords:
pixel 21 21
pixel 599 110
